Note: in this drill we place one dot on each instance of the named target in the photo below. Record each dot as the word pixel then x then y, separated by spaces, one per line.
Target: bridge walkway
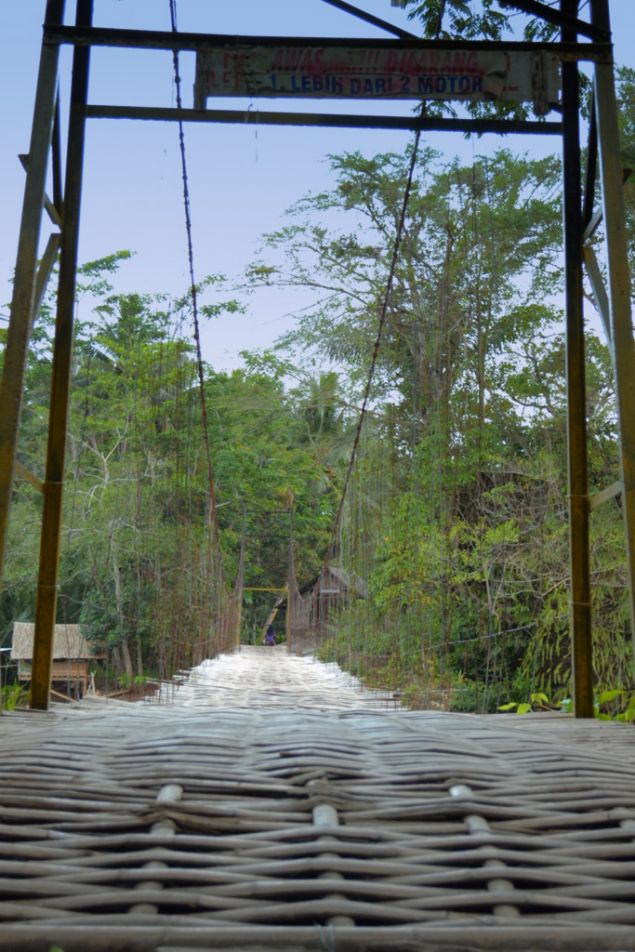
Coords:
pixel 275 804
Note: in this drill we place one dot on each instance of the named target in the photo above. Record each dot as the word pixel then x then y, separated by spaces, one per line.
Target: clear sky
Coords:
pixel 242 177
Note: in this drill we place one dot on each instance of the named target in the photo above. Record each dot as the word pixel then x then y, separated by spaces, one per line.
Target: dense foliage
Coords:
pixel 135 547
pixel 456 516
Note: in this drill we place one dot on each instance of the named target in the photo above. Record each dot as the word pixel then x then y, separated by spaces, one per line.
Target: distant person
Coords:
pixel 270 636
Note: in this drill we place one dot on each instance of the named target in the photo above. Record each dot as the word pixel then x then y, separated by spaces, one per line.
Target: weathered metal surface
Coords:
pixel 24 473
pixel 618 290
pixel 259 826
pixel 24 285
pixel 327 120
pixel 45 609
pixel 600 296
pixel 604 495
pixel 162 40
pixel 577 468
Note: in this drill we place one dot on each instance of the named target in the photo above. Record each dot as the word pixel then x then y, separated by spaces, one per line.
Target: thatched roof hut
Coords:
pixel 69 643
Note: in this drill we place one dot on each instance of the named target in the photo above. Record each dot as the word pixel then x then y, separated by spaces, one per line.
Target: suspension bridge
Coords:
pixel 267 799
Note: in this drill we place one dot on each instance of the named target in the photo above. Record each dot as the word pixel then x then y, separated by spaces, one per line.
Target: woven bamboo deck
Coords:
pixel 316 823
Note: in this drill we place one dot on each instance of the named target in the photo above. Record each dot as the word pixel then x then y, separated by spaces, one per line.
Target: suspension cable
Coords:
pixel 383 316
pixel 193 287
pixel 384 308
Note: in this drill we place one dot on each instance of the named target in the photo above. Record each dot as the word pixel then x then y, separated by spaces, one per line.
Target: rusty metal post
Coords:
pixel 60 385
pixel 22 304
pixel 582 647
pixel 619 289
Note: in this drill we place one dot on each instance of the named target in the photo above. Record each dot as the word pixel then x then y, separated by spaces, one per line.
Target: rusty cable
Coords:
pixel 383 314
pixel 193 287
pixel 378 339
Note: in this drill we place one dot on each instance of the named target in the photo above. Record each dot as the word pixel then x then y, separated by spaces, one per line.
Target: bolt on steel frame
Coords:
pixel 580 223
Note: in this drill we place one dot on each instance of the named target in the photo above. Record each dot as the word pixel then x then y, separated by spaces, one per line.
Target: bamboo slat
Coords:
pixel 275 804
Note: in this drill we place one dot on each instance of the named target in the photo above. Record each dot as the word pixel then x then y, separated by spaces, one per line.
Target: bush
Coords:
pixel 474 697
pixel 14 695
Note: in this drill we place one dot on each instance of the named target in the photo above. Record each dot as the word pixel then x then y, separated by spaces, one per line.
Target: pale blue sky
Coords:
pixel 242 177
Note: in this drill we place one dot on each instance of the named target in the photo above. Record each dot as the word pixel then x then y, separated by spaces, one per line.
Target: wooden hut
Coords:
pixel 311 607
pixel 74 656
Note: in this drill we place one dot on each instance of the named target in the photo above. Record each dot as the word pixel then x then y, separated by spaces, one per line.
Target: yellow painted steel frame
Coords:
pixel 30 282
pixel 582 647
pixel 619 290
pixel 61 375
pixel 24 299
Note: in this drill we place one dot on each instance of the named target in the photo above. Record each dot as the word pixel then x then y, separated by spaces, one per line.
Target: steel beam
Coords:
pixel 58 198
pixel 598 499
pixel 22 303
pixel 369 18
pixel 593 223
pixel 582 646
pixel 60 385
pixel 163 40
pixel 45 270
pixel 619 289
pixel 25 473
pixel 256 117
pixel 557 17
pixel 599 291
pixel 590 171
pixel 49 206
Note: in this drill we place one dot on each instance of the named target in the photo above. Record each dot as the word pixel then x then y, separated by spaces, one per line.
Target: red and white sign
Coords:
pixel 338 72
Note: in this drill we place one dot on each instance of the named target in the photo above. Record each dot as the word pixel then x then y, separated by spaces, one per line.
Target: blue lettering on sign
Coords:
pixel 327 85
pixel 439 85
pixel 370 85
